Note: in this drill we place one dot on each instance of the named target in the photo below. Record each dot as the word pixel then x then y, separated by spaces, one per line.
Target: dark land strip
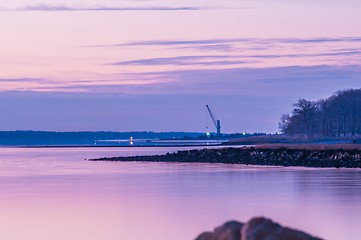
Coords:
pixel 263 155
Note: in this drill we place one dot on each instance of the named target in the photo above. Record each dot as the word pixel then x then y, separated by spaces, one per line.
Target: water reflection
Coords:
pixel 338 185
pixel 55 194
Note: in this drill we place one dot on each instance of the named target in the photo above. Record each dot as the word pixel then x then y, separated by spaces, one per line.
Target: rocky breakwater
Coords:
pixel 339 158
pixel 256 229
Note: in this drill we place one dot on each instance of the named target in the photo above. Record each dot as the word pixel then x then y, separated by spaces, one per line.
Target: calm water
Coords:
pixel 53 194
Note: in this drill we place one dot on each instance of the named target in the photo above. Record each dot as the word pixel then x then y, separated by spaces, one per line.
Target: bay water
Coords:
pixel 55 194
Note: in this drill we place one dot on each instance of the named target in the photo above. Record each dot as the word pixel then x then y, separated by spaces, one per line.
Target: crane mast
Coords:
pixel 216 122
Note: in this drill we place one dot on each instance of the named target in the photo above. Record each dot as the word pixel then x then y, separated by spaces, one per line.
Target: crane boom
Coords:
pixel 216 122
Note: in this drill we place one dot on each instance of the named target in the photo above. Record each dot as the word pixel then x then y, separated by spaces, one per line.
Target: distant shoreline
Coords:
pixel 271 155
pixel 108 146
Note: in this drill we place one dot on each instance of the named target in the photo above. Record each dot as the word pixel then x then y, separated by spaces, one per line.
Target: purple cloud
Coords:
pixel 223 60
pixel 299 81
pixel 253 98
pixel 183 61
pixel 20 81
pixel 263 41
pixel 47 7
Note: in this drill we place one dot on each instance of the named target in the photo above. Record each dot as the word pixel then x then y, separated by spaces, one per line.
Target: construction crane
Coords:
pixel 216 121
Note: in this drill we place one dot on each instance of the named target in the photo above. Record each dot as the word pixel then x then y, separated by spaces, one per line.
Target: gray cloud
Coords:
pixel 210 42
pixel 210 47
pixel 182 60
pixel 227 59
pixel 17 79
pixel 325 54
pixel 289 82
pixel 22 80
pixel 246 44
pixel 292 81
pixel 252 97
pixel 175 42
pixel 47 7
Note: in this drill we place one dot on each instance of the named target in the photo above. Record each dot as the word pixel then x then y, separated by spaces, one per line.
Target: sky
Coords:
pixel 153 65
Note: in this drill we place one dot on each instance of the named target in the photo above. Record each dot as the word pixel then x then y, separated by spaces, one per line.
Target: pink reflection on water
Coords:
pixel 55 194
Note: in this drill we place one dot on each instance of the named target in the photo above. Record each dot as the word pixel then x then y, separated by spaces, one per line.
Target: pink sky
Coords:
pixel 175 48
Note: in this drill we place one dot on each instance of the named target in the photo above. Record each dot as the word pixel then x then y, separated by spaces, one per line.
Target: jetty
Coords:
pixel 262 155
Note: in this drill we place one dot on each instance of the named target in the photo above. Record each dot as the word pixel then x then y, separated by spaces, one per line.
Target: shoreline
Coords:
pixel 259 156
pixel 108 146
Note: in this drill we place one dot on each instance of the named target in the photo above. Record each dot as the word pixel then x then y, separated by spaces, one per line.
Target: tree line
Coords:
pixel 338 115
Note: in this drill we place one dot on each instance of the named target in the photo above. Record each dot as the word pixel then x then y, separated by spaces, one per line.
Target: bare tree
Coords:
pixel 305 111
pixel 340 114
pixel 285 124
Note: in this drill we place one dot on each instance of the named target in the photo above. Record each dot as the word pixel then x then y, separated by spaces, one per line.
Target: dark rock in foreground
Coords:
pixel 339 158
pixel 256 229
pixel 228 231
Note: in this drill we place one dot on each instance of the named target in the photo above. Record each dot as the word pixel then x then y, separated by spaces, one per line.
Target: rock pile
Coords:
pixel 339 158
pixel 256 229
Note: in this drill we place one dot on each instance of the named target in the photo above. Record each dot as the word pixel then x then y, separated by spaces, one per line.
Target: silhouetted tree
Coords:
pixel 340 114
pixel 305 111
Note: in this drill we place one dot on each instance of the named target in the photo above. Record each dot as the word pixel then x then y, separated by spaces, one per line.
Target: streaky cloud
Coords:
pixel 55 8
pixel 181 60
pixel 268 81
pixel 304 55
pixel 210 47
pixel 227 59
pixel 22 80
pixel 299 80
pixel 174 42
pixel 200 42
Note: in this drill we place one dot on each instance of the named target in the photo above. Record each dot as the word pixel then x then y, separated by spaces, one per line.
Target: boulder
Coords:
pixel 229 231
pixel 259 228
pixel 265 229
